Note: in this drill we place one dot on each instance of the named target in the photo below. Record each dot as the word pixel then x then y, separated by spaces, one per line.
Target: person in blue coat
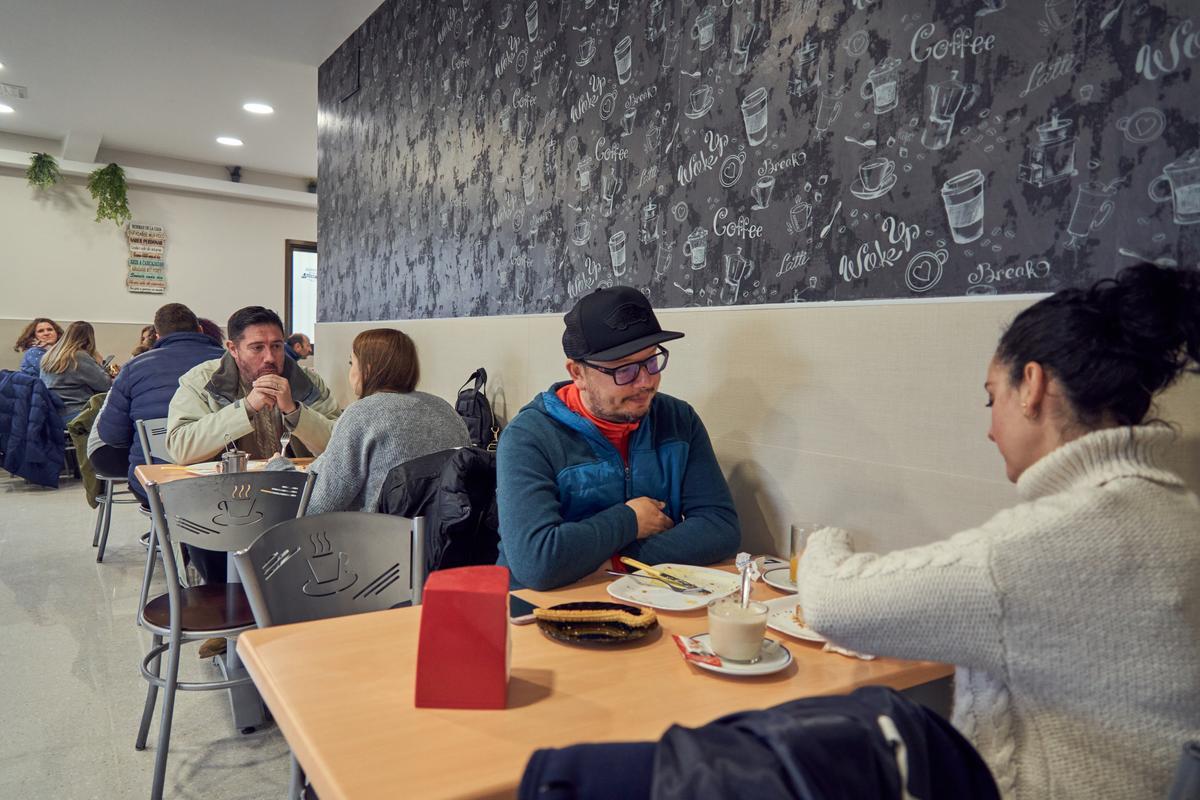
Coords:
pixel 38 336
pixel 603 465
pixel 144 388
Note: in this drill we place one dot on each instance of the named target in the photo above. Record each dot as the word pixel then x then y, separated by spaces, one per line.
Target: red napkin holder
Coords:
pixel 463 651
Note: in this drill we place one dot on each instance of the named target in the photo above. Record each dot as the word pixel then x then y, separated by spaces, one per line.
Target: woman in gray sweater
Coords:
pixel 72 370
pixel 1073 617
pixel 389 424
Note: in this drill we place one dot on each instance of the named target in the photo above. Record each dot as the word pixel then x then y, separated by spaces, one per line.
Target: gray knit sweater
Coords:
pixel 375 434
pixel 1073 619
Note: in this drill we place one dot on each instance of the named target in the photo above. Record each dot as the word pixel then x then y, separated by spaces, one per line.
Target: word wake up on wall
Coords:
pixel 489 157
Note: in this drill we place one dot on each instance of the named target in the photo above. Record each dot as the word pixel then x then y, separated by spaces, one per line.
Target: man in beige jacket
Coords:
pixel 252 395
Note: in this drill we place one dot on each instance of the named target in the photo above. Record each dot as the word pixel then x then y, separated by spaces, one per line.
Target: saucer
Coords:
pixel 697 113
pixel 774 657
pixel 582 61
pixel 781 579
pixel 858 190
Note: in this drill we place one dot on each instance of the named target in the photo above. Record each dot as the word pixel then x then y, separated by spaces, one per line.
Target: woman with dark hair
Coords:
pixel 146 340
pixel 212 330
pixel 72 369
pixel 37 337
pixel 390 424
pixel 1073 617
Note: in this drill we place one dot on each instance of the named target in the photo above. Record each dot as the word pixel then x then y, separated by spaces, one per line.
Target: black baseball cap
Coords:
pixel 612 323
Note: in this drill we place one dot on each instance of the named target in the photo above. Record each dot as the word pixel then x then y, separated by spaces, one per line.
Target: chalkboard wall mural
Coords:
pixel 490 157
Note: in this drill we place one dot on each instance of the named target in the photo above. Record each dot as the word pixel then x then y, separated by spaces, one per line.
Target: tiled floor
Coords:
pixel 72 694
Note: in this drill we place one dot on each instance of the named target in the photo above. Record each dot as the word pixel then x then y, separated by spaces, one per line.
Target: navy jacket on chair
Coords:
pixel 31 429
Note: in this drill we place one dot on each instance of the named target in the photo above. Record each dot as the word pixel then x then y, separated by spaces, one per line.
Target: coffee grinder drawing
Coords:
pixel 1052 157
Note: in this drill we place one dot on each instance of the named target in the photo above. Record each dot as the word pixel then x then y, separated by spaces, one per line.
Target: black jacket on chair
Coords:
pixel 455 490
pixel 872 743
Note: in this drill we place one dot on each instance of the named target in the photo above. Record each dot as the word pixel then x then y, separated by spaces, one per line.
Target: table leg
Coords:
pixel 244 701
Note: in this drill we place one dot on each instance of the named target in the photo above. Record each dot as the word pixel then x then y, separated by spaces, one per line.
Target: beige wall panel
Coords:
pixel 866 416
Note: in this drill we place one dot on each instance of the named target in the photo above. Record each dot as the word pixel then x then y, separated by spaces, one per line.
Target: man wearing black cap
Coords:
pixel 603 465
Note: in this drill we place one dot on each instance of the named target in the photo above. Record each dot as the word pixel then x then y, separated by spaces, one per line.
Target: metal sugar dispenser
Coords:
pixel 232 459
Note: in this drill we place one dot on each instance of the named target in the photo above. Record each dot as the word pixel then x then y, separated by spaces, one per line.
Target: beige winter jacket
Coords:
pixel 205 409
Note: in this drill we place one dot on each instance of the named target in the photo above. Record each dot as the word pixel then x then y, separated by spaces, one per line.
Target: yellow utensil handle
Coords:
pixel 651 571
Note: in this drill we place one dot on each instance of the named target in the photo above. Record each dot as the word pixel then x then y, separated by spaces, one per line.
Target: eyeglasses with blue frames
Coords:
pixel 628 373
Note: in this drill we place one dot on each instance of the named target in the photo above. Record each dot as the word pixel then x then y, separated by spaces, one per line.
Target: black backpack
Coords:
pixel 473 406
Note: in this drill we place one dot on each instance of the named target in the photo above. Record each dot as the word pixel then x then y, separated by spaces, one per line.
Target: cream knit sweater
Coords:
pixel 1073 619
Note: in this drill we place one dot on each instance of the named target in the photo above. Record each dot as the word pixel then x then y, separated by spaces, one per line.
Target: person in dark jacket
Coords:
pixel 602 465
pixel 144 388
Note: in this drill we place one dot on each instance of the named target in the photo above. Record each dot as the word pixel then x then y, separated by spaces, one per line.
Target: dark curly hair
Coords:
pixel 1113 347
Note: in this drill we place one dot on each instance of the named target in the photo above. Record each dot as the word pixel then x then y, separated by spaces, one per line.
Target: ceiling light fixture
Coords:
pixel 258 108
pixel 229 141
pixel 5 109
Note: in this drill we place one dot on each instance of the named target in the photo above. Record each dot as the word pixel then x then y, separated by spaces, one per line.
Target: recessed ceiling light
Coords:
pixel 5 109
pixel 258 108
pixel 229 141
pixel 1 66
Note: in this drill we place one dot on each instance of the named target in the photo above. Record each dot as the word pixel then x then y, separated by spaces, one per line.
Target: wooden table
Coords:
pixel 165 473
pixel 342 692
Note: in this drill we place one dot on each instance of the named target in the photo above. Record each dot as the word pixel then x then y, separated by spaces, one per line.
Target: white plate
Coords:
pixel 653 594
pixel 774 658
pixel 780 578
pixel 779 618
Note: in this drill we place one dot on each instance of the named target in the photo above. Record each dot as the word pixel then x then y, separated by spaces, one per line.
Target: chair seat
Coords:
pixel 211 607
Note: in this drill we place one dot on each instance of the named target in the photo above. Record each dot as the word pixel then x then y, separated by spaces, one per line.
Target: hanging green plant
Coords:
pixel 110 192
pixel 43 171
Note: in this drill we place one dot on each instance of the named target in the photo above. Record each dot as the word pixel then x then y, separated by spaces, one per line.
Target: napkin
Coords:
pixel 694 651
pixel 830 647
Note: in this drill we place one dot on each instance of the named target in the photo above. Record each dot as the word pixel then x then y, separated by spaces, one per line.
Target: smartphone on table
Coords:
pixel 520 612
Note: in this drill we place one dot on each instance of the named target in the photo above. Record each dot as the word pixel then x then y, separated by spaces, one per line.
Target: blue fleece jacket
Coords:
pixel 561 489
pixel 144 388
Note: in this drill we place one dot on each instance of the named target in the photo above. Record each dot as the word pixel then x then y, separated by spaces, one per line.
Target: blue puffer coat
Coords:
pixel 31 429
pixel 144 388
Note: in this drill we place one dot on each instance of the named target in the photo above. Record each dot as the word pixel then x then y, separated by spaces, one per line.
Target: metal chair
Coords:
pixel 154 445
pixel 332 565
pixel 104 503
pixel 224 513
pixel 152 433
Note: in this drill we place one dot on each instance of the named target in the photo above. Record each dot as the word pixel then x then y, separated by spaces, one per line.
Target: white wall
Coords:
pixel 870 417
pixel 57 262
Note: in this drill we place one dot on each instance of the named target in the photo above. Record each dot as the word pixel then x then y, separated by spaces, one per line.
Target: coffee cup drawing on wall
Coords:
pixel 963 198
pixel 882 86
pixel 876 177
pixel 754 116
pixel 704 28
pixel 1179 185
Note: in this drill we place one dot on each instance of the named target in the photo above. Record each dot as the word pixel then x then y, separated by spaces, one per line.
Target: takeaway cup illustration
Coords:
pixel 754 115
pixel 963 198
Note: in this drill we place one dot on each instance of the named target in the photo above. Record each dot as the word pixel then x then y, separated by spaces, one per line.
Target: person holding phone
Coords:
pixel 72 369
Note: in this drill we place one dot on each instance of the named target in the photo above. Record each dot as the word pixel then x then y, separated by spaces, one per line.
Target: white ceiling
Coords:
pixel 166 77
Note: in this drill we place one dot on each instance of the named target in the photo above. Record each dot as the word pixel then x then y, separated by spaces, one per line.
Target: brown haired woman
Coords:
pixel 389 424
pixel 72 369
pixel 37 337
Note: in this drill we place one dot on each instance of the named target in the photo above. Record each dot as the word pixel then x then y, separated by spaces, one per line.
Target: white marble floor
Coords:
pixel 72 694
